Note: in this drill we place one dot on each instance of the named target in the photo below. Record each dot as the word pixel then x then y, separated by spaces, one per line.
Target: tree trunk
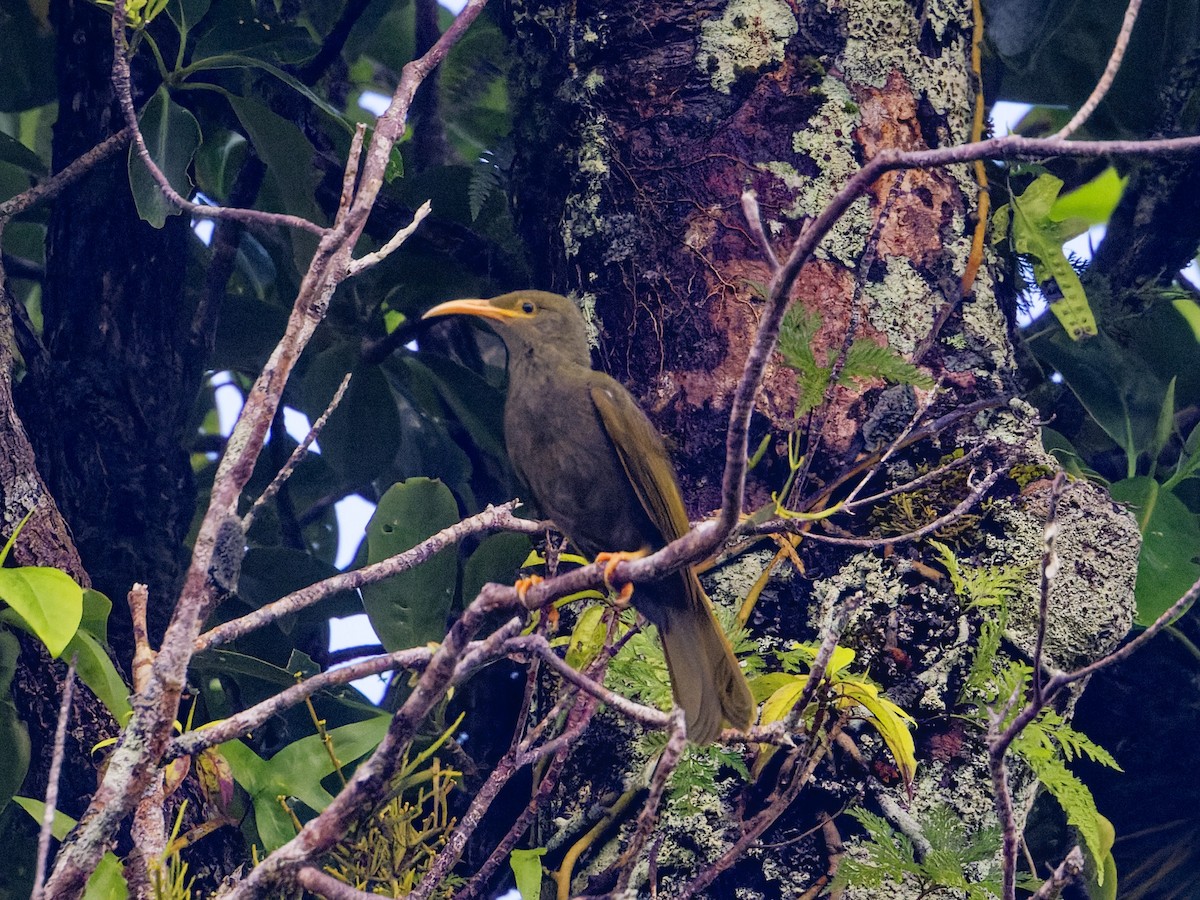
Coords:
pixel 639 126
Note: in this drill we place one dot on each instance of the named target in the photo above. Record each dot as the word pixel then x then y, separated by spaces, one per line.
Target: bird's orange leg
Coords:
pixel 524 584
pixel 611 561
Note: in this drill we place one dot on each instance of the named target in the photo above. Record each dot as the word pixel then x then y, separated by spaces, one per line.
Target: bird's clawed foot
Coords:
pixel 524 584
pixel 610 562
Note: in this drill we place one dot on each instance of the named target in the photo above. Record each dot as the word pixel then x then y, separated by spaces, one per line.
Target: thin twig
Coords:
pixel 56 761
pixel 124 90
pixel 667 763
pixel 325 885
pixel 494 518
pixel 51 187
pixel 1067 871
pixel 297 455
pixel 753 216
pixel 378 256
pixel 1107 77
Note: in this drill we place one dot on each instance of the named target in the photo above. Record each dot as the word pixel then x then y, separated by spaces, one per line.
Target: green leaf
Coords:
pixel 360 439
pixel 527 869
pixel 96 609
pixel 296 772
pixel 242 61
pixel 1168 565
pixel 1190 310
pixel 1038 235
pixel 497 558
pixel 1116 388
pixel 48 603
pixel 97 671
pixel 1093 202
pixel 587 637
pixel 14 736
pixel 172 135
pixel 108 880
pixel 287 154
pixel 14 152
pixel 410 609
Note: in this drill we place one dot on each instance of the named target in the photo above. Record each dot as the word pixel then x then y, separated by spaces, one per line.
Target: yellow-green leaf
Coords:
pixel 586 638
pixel 47 601
pixel 780 703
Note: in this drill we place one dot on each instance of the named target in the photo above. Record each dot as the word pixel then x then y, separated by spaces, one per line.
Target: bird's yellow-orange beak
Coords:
pixel 482 308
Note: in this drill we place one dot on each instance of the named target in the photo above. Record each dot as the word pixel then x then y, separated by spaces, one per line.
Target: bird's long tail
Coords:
pixel 705 676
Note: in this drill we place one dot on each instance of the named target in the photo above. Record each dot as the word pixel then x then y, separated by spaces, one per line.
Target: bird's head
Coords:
pixel 529 322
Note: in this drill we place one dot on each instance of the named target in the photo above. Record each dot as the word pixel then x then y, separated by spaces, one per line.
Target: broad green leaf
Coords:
pixel 47 601
pixel 780 703
pixel 172 135
pixel 291 179
pixel 241 61
pixel 1116 388
pixel 890 721
pixel 1093 202
pixel 360 439
pixel 1168 564
pixel 410 609
pixel 186 13
pixel 14 736
pixel 15 153
pixel 1190 310
pixel 96 609
pixel 1038 235
pixel 587 637
pixel 763 686
pixel 108 880
pixel 97 671
pixel 27 63
pixel 527 870
pixel 497 558
pixel 296 772
pixel 218 161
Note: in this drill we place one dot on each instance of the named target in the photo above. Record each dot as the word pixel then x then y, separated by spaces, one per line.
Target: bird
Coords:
pixel 598 468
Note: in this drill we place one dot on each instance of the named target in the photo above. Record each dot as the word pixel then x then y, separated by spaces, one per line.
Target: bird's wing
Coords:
pixel 643 456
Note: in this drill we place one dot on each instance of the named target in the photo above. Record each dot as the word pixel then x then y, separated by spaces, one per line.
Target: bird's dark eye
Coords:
pixel 527 307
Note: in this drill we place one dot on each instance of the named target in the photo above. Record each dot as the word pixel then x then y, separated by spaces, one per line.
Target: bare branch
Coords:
pixel 1107 77
pixel 1049 570
pixel 124 90
pixel 753 216
pixel 51 187
pixel 1068 871
pixel 242 723
pixel 372 259
pixel 297 455
pixel 56 761
pixel 324 885
pixel 494 518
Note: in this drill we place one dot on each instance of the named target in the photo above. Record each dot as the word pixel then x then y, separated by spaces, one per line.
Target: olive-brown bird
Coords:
pixel 598 468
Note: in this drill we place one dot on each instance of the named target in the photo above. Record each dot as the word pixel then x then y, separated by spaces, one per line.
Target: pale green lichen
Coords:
pixel 828 142
pixel 900 306
pixel 882 39
pixel 749 34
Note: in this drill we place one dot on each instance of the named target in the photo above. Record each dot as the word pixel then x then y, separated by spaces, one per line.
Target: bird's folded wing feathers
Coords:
pixel 643 456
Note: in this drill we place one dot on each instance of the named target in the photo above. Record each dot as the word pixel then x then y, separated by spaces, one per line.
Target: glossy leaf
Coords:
pixel 1040 236
pixel 1168 564
pixel 1093 202
pixel 497 558
pixel 360 439
pixel 527 871
pixel 410 609
pixel 95 669
pixel 47 601
pixel 1116 388
pixel 172 136
pixel 296 772
pixel 108 879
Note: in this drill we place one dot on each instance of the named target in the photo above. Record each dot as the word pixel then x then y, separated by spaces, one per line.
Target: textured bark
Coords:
pixel 639 127
pixel 107 405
